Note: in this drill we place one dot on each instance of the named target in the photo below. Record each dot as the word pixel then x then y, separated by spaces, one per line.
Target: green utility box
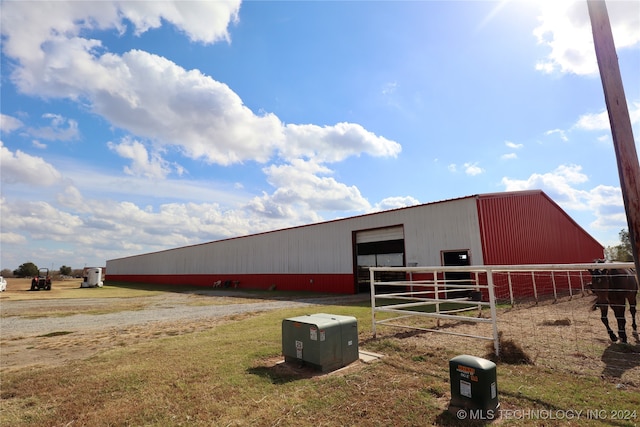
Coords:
pixel 474 386
pixel 323 341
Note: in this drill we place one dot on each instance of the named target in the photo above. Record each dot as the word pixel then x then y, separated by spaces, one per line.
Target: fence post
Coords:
pixel 435 283
pixel 494 315
pixel 510 289
pixel 477 281
pixel 372 276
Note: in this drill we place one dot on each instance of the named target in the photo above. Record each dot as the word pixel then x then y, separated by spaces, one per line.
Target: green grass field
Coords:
pixel 230 375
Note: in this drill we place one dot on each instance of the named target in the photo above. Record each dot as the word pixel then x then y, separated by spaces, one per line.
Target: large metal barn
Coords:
pixel 510 228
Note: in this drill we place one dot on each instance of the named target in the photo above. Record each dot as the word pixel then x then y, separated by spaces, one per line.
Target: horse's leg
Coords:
pixel 603 316
pixel 618 311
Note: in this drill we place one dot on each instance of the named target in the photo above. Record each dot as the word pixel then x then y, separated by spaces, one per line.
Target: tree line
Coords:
pixel 29 269
pixel 621 252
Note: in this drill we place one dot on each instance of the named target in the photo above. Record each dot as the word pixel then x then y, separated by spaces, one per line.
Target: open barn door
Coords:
pixel 456 258
pixel 380 247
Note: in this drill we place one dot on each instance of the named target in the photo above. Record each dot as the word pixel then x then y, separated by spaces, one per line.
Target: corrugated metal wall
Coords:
pixel 505 228
pixel 380 234
pixel 529 228
pixel 313 249
pixel 451 225
pixel 325 248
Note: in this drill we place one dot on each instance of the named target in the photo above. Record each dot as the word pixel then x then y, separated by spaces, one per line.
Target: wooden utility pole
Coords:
pixel 623 142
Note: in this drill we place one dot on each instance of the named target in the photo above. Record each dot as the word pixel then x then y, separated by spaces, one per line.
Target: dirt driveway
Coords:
pixel 43 329
pixel 50 328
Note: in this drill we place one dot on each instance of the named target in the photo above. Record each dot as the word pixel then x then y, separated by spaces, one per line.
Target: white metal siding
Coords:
pixel 321 248
pixel 380 235
pixel 449 225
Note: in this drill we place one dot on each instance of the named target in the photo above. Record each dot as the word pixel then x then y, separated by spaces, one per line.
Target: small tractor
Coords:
pixel 43 281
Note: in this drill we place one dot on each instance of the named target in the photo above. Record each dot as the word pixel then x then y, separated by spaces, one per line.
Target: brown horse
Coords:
pixel 613 287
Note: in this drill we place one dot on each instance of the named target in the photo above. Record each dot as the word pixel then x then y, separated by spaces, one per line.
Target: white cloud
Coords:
pixel 389 88
pixel 334 143
pixel 143 93
pixel 152 97
pixel 160 105
pixel 79 215
pixel 202 116
pixel 472 169
pixel 634 112
pixel 40 219
pixel 9 124
pixel 204 22
pixel 562 186
pixel 116 226
pixel 38 144
pixel 91 179
pixel 395 203
pixel 593 122
pixel 390 96
pixel 566 29
pixel 513 145
pixel 12 238
pixel 60 129
pixel 301 183
pixel 151 166
pixel 608 207
pixel 70 197
pixel 99 228
pixel 560 132
pixel 557 184
pixel 509 156
pixel 597 122
pixel 20 167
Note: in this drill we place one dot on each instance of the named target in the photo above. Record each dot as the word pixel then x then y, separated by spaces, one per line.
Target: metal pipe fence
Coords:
pixel 439 293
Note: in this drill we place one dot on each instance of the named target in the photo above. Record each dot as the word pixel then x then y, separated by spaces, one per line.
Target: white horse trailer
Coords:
pixel 92 277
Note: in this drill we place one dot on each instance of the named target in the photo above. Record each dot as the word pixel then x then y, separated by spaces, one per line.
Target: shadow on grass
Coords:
pixel 619 358
pixel 446 418
pixel 463 418
pixel 284 372
pixel 383 343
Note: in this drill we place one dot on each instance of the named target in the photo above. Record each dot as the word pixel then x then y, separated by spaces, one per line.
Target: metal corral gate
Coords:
pixel 442 293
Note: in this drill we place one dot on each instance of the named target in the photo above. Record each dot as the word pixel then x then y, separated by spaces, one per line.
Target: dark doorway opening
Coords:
pixel 388 253
pixel 457 258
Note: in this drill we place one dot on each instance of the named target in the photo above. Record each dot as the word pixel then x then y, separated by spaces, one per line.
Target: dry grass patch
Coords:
pixel 228 373
pixel 19 289
pixel 510 352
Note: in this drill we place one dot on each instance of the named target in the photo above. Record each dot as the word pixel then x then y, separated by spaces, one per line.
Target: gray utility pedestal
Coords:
pixel 474 386
pixel 323 341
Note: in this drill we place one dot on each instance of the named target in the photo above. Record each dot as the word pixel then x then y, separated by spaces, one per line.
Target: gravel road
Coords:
pixel 162 308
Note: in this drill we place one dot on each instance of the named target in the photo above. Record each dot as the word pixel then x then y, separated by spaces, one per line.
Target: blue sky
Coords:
pixel 130 127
